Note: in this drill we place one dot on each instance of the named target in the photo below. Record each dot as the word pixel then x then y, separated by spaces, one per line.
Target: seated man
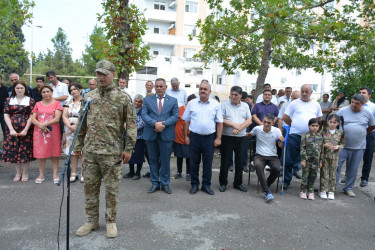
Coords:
pixel 266 136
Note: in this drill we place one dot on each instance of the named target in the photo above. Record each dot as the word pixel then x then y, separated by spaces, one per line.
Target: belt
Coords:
pixel 202 135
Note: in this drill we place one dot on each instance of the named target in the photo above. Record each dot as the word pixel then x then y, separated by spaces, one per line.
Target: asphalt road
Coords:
pixel 29 215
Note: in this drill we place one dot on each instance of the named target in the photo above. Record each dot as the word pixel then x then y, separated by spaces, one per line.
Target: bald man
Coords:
pixel 297 115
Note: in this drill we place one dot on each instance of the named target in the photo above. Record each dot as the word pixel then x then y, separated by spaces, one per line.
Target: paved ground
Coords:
pixel 231 220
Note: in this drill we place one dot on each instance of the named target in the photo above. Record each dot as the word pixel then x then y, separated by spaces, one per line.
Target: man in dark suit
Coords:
pixel 160 114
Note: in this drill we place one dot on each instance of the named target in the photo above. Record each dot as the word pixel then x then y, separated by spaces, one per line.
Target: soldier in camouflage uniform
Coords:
pixel 333 141
pixel 100 140
pixel 311 158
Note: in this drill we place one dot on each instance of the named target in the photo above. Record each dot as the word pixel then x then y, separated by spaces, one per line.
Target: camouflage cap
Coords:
pixel 105 67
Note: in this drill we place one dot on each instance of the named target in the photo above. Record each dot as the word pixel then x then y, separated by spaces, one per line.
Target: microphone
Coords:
pixel 87 104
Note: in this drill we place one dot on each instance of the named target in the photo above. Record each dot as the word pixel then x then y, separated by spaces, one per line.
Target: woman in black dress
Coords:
pixel 18 145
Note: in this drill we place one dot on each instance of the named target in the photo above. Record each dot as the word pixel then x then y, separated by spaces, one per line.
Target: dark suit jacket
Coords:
pixel 150 115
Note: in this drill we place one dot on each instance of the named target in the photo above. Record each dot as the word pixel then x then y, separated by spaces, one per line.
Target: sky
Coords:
pixel 76 17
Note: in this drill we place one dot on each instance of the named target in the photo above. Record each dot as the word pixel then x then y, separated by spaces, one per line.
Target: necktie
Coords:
pixel 160 105
pixel 287 99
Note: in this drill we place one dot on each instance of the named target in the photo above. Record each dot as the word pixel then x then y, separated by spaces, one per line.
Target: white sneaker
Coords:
pixel 323 195
pixel 331 196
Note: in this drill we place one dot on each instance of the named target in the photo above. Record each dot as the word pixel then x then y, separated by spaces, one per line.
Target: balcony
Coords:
pixel 160 15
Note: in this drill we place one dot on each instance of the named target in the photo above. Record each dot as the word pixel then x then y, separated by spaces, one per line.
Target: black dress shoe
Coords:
pixel 146 175
pixel 241 188
pixel 208 190
pixel 222 188
pixel 129 175
pixel 166 189
pixel 153 189
pixel 193 189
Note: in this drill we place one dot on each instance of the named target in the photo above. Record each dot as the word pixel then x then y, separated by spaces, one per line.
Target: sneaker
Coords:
pixel 297 175
pixel 363 183
pixel 311 196
pixel 267 168
pixel 188 178
pixel 177 176
pixel 350 193
pixel 87 228
pixel 111 230
pixel 331 196
pixel 303 195
pixel 323 195
pixel 343 180
pixel 269 197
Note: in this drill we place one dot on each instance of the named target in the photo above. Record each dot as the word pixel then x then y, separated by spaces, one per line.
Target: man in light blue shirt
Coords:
pixel 176 92
pixel 204 118
pixel 370 138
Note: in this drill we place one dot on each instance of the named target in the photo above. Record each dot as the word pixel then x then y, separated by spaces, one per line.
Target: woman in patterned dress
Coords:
pixel 18 145
pixel 70 118
pixel 47 138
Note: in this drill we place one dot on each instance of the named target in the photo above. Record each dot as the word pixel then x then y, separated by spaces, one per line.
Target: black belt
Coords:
pixel 202 135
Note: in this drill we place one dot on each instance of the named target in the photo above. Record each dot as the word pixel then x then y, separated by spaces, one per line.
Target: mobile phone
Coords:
pixel 49 128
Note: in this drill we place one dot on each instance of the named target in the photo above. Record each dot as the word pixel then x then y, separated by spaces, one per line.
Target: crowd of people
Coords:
pixel 40 123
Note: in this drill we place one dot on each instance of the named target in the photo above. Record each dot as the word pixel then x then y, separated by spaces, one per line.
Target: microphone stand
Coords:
pixel 68 170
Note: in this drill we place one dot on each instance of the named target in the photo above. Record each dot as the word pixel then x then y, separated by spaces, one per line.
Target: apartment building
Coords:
pixel 170 22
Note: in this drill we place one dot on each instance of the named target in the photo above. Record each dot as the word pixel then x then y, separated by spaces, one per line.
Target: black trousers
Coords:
pixel 228 145
pixel 260 163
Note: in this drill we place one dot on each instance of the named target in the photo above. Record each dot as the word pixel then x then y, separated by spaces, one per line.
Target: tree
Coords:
pixel 357 65
pixel 96 50
pixel 14 14
pixel 124 27
pixel 252 34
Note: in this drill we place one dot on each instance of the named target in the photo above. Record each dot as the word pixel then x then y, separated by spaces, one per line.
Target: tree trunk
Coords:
pixel 124 33
pixel 264 66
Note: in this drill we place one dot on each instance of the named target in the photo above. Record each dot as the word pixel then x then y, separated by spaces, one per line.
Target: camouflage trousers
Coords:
pixel 96 167
pixel 309 175
pixel 329 170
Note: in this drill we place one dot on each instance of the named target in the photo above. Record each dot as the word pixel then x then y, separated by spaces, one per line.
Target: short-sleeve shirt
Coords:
pixel 266 142
pixel 260 99
pixel 261 109
pixel 355 126
pixel 324 105
pixel 60 90
pixel 300 113
pixel 203 116
pixel 236 114
pixel 180 95
pixel 370 106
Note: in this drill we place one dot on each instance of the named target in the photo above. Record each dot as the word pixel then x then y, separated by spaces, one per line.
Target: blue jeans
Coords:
pixel 201 146
pixel 353 160
pixel 367 156
pixel 292 156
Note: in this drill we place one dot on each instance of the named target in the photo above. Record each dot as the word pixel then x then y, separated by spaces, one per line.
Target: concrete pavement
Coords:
pixel 231 220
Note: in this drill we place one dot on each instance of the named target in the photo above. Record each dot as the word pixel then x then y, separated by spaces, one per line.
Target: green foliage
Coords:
pixel 251 35
pixel 124 27
pixel 357 67
pixel 96 50
pixel 13 57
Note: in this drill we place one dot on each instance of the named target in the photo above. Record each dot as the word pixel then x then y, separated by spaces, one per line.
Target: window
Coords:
pixel 190 30
pixel 187 71
pixel 148 70
pixel 155 52
pixel 219 80
pixel 156 30
pixel 159 6
pixel 199 72
pixel 189 53
pixel 191 7
pixel 314 87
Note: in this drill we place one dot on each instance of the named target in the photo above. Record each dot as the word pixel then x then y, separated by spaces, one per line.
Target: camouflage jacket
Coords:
pixel 311 149
pixel 336 139
pixel 102 129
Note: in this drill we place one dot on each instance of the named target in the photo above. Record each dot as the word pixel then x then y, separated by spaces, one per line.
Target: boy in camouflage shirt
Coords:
pixel 311 158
